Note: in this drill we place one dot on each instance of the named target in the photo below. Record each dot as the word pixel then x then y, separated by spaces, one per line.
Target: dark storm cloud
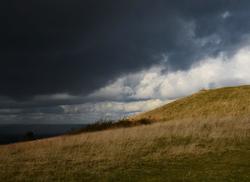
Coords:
pixel 77 46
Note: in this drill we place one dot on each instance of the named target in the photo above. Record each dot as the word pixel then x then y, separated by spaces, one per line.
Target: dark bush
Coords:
pixel 104 125
pixel 100 125
pixel 124 123
pixel 29 135
pixel 145 121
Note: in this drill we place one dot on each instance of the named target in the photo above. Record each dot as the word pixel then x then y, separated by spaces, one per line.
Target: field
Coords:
pixel 204 149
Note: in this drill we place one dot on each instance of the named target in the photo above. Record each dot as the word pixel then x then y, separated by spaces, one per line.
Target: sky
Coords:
pixel 77 61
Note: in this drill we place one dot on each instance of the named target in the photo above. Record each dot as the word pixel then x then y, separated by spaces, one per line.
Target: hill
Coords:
pixel 217 103
pixel 189 147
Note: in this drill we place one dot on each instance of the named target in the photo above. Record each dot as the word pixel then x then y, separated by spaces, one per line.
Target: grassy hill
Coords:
pixel 217 103
pixel 206 138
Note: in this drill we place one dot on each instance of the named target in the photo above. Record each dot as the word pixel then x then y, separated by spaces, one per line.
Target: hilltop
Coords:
pixel 206 138
pixel 216 103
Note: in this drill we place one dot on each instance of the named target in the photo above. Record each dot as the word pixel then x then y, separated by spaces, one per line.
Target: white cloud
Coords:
pixel 148 89
pixel 111 110
pixel 151 88
pixel 208 73
pixel 116 90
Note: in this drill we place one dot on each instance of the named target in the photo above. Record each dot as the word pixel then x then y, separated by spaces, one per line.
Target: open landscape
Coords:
pixel 125 91
pixel 202 137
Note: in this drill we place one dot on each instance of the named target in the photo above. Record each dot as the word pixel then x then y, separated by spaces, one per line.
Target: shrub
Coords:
pixel 104 125
pixel 145 121
pixel 29 135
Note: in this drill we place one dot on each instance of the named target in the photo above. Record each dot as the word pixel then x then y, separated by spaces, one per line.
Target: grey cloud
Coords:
pixel 75 48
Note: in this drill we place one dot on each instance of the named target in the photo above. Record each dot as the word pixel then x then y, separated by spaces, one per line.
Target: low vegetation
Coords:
pixel 183 150
pixel 104 125
pixel 214 148
pixel 223 102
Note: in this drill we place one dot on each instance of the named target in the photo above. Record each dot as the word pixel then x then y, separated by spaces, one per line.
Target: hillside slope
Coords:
pixel 190 149
pixel 205 150
pixel 217 103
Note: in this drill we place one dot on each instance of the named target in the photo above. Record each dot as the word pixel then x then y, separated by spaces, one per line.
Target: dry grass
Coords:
pixel 98 153
pixel 210 144
pixel 223 102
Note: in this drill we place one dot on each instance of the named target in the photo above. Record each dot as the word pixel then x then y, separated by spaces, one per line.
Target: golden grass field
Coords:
pixel 213 146
pixel 223 102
